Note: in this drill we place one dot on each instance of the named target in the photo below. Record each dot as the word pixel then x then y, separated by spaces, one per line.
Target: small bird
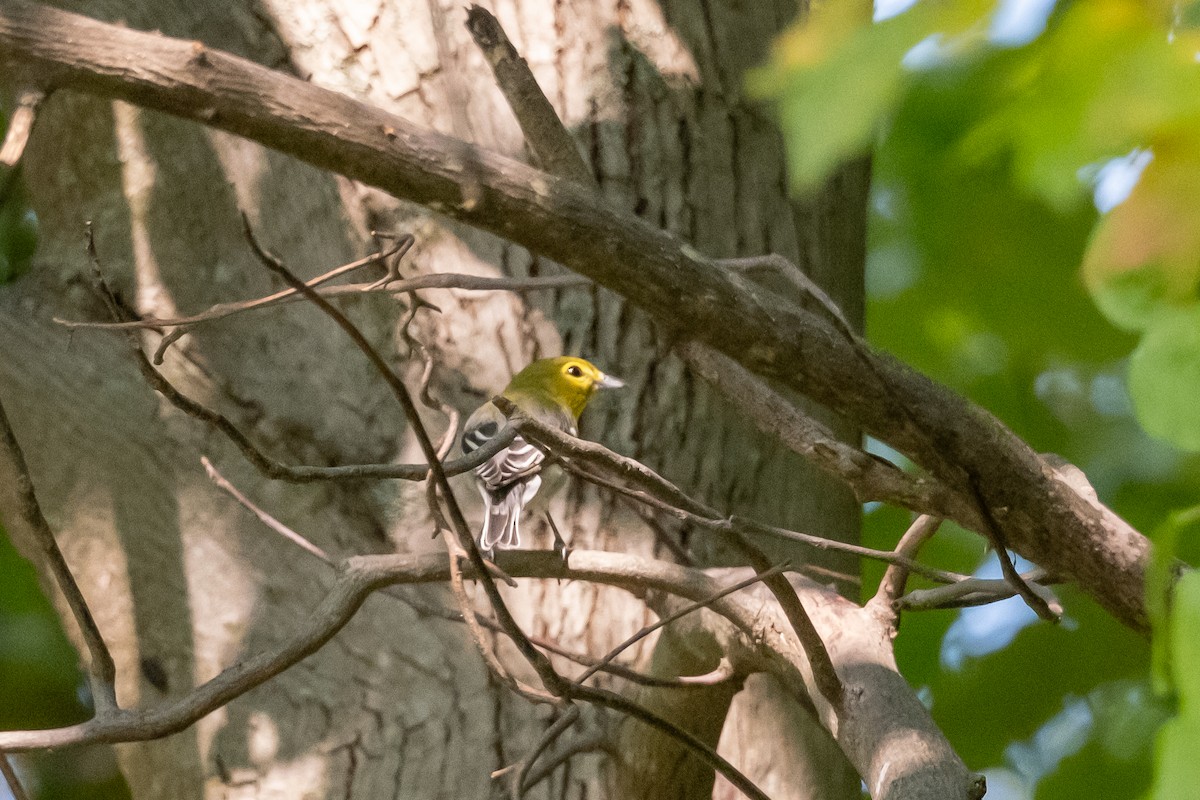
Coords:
pixel 553 391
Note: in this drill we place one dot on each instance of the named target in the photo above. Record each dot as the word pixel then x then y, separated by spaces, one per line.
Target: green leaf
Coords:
pixel 1145 254
pixel 1160 582
pixel 1127 716
pixel 1105 78
pixel 1164 378
pixel 837 76
pixel 1178 772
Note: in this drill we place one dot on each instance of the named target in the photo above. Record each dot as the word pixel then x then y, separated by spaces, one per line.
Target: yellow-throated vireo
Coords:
pixel 553 391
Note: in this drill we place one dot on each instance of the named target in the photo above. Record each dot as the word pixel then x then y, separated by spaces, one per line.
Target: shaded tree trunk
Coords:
pixel 182 581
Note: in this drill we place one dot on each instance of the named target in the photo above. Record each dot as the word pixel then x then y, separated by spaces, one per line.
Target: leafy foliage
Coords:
pixel 1178 771
pixel 1007 259
pixel 1105 78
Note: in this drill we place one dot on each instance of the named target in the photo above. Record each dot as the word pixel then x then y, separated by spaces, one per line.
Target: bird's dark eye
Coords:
pixel 574 371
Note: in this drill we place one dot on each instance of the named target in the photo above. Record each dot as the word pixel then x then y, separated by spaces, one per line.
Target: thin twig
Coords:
pixel 583 659
pixel 416 303
pixel 220 310
pixel 977 591
pixel 795 276
pixel 995 534
pixel 263 516
pixel 426 609
pixel 458 591
pixel 554 682
pixel 437 280
pixel 895 577
pixel 277 470
pixel 824 673
pixel 520 771
pixel 101 670
pixel 655 491
pixel 680 614
pixel 11 777
pixel 661 534
pixel 544 132
pixel 20 126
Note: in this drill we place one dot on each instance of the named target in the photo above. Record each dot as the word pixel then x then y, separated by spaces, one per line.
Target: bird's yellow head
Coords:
pixel 566 381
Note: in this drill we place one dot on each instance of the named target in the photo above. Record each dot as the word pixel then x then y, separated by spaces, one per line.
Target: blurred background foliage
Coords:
pixel 1035 244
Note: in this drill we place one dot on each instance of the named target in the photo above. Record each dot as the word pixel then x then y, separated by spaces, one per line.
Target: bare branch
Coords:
pixel 869 477
pixel 977 591
pixel 691 295
pixel 16 488
pixel 20 126
pixel 544 131
pixel 11 778
pixel 681 613
pixel 554 682
pixel 437 280
pixel 657 492
pixel 895 578
pixel 263 517
pixel 1035 600
pixel 902 735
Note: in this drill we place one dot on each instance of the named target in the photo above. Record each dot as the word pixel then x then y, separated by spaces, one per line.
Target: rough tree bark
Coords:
pixel 181 580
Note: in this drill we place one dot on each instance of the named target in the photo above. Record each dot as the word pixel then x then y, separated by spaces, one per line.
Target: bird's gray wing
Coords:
pixel 510 464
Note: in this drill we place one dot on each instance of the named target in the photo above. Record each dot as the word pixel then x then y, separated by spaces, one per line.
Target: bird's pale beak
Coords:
pixel 609 382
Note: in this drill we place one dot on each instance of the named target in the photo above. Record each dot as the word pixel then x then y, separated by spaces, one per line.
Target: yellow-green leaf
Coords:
pixel 1164 377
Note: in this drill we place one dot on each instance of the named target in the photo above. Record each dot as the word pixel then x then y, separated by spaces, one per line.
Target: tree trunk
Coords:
pixel 183 582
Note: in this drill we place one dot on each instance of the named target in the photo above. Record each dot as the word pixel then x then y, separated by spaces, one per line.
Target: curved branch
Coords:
pixel 884 729
pixel 692 295
pixel 869 477
pixel 17 492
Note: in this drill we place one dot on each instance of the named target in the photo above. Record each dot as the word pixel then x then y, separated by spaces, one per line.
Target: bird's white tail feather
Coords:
pixel 502 514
